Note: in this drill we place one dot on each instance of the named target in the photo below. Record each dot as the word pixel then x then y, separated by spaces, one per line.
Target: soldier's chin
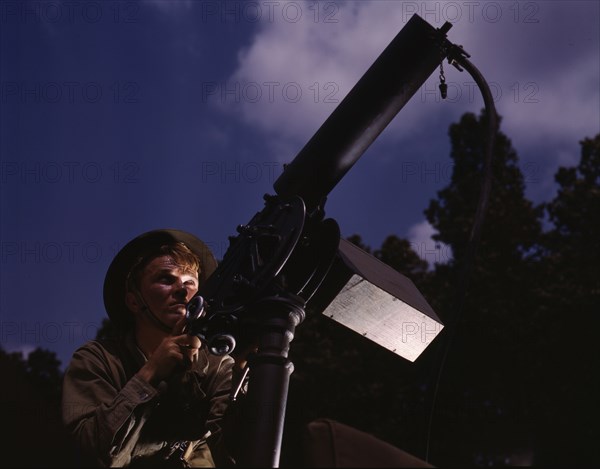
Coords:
pixel 173 316
pixel 177 310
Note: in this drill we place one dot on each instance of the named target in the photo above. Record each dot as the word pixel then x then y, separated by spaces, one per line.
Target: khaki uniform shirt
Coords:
pixel 118 419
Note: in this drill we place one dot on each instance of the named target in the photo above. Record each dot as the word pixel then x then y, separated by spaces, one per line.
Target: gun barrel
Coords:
pixel 364 113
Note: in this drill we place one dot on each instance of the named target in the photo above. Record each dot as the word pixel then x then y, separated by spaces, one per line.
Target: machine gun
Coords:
pixel 289 261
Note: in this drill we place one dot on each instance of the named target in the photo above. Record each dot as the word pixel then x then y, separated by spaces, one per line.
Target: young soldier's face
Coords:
pixel 166 288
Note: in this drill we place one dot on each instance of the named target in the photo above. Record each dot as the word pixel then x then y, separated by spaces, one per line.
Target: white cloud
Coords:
pixel 541 59
pixel 293 75
pixel 565 107
pixel 420 238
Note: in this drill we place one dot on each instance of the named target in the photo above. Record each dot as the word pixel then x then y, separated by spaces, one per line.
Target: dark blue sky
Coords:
pixel 121 117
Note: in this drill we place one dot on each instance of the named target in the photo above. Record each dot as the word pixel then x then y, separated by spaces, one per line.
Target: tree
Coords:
pixel 398 254
pixel 512 224
pixel 569 296
pixel 491 316
pixel 573 245
pixel 519 375
pixel 30 398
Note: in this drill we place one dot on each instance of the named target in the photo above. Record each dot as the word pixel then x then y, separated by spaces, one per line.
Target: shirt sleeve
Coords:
pixel 102 410
pixel 219 391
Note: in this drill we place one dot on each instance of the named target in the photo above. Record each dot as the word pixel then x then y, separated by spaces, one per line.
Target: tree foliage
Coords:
pixel 487 304
pixel 568 294
pixel 515 369
pixel 512 222
pixel 30 398
pixel 502 380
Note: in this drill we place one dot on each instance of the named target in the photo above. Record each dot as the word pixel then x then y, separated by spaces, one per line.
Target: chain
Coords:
pixel 443 87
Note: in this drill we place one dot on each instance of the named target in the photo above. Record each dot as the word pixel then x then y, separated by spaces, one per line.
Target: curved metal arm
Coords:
pixel 458 57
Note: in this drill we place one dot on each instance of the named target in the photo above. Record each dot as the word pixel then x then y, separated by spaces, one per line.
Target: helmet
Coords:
pixel 115 282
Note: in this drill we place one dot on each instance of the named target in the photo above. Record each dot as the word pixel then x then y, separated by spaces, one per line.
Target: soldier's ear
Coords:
pixel 133 302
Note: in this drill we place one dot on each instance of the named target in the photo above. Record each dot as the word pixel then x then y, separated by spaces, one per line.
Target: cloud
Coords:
pixel 563 106
pixel 540 58
pixel 293 75
pixel 542 64
pixel 420 238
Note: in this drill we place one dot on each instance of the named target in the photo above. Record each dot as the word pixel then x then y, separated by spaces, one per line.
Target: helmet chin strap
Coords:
pixel 149 314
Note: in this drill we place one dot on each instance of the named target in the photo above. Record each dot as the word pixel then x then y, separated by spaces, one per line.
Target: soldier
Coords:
pixel 151 396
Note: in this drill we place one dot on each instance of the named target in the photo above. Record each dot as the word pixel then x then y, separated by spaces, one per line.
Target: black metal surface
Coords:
pixel 363 114
pixel 256 256
pixel 270 371
pixel 279 260
pixel 279 252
